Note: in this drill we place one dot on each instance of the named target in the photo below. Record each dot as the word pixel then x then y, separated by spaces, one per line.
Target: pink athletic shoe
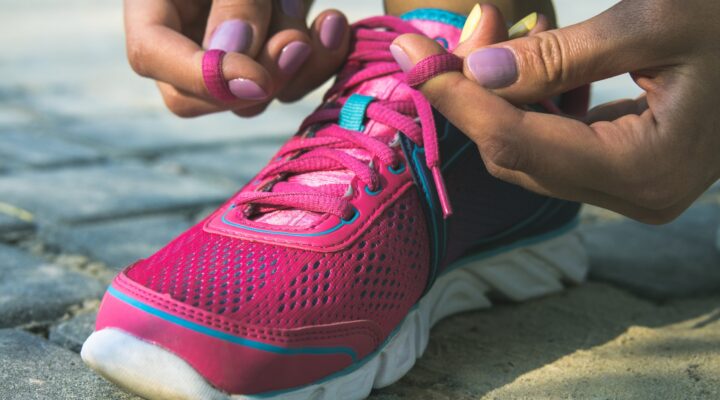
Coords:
pixel 322 277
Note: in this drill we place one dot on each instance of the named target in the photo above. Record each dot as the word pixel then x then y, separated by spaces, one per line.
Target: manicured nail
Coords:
pixel 332 31
pixel 401 57
pixel 293 56
pixel 524 26
pixel 246 89
pixel 232 36
pixel 493 68
pixel 471 23
pixel 293 8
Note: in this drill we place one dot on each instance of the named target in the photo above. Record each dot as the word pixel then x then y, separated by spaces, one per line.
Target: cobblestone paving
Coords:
pixel 94 174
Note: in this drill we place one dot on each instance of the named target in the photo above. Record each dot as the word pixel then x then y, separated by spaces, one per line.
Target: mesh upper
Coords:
pixel 379 277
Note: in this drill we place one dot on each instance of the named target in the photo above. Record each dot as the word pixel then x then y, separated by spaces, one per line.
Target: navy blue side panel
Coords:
pixel 489 212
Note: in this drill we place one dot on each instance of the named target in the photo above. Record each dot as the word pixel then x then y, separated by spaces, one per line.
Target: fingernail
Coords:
pixel 493 68
pixel 293 8
pixel 246 89
pixel 401 57
pixel 471 23
pixel 332 31
pixel 293 56
pixel 524 26
pixel 232 36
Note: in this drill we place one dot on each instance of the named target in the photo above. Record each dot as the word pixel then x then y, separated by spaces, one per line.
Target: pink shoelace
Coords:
pixel 331 147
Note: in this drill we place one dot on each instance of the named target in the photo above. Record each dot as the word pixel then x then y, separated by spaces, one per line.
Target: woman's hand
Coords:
pixel 271 53
pixel 647 158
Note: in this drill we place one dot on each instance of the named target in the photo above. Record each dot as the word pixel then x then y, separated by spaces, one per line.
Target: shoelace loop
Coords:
pixel 333 148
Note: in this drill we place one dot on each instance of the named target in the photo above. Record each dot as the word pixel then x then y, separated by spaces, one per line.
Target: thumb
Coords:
pixel 549 63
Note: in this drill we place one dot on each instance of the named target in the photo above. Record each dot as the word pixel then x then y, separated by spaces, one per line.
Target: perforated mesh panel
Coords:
pixel 379 277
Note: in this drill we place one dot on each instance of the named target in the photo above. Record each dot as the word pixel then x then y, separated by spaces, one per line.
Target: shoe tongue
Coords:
pixel 443 26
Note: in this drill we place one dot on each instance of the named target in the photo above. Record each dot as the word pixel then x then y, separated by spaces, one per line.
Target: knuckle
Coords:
pixel 502 151
pixel 545 58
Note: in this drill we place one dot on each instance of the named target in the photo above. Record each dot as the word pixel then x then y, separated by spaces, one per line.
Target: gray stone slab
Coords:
pixel 236 163
pixel 35 149
pixel 159 131
pixel 658 262
pixel 105 191
pixel 34 369
pixel 119 242
pixel 71 334
pixel 33 291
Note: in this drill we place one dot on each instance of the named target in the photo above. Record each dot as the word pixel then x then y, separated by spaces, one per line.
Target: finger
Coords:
pixel 545 64
pixel 289 44
pixel 330 41
pixel 542 24
pixel 238 26
pixel 187 106
pixel 485 25
pixel 184 104
pixel 251 111
pixel 156 49
pixel 616 109
pixel 285 52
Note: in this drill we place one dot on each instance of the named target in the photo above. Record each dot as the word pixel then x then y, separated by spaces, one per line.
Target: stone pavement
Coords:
pixel 94 174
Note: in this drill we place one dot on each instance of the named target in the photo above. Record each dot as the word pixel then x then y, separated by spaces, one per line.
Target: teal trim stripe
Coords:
pixel 434 14
pixel 228 337
pixel 281 233
pixel 352 113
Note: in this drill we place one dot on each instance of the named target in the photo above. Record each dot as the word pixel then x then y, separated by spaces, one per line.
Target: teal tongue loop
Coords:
pixel 443 26
pixel 436 15
pixel 352 114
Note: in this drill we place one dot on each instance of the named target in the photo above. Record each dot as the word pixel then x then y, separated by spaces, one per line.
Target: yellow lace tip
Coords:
pixel 471 23
pixel 524 26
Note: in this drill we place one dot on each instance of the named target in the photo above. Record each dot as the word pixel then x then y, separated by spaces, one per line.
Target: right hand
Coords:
pixel 268 45
pixel 647 158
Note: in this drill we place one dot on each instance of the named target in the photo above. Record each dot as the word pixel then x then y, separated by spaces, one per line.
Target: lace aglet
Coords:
pixel 442 192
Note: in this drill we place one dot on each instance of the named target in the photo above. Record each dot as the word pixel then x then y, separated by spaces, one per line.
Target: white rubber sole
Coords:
pixel 520 274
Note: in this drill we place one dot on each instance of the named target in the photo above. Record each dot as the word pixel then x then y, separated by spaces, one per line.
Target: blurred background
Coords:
pixel 96 173
pixel 65 75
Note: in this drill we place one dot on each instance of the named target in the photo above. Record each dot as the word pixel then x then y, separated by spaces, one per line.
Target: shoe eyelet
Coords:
pixel 398 170
pixel 375 193
pixel 353 218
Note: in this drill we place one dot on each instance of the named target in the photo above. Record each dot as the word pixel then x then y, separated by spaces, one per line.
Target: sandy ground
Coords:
pixel 591 342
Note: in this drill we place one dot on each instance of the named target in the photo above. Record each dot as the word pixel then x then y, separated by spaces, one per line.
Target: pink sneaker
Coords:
pixel 322 277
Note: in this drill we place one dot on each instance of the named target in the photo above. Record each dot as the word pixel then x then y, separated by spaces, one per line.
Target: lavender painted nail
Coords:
pixel 401 57
pixel 246 89
pixel 232 36
pixel 493 68
pixel 293 8
pixel 332 31
pixel 293 56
